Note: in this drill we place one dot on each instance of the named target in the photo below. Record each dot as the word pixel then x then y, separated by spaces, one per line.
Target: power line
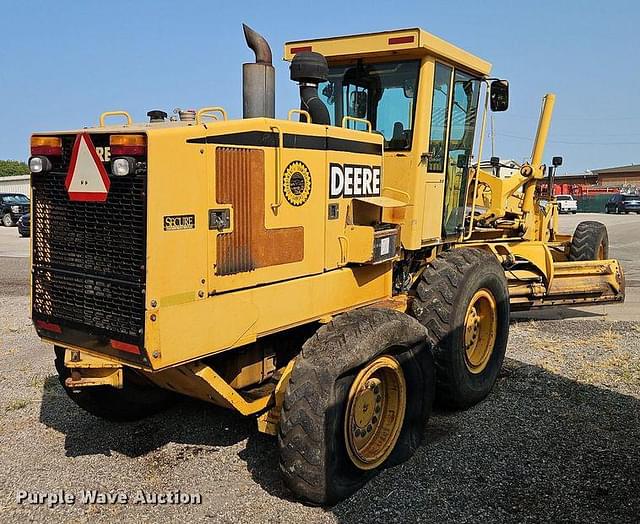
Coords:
pixel 567 142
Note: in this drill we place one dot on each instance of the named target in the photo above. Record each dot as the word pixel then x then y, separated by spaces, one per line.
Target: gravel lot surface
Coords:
pixel 557 440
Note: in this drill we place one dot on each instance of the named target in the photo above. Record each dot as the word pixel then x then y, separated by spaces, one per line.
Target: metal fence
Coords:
pixel 592 203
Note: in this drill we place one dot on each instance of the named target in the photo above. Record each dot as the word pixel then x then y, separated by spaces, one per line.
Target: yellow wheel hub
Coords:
pixel 375 412
pixel 480 329
pixel 600 252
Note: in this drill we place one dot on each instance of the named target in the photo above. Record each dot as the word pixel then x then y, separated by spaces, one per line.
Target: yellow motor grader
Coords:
pixel 330 273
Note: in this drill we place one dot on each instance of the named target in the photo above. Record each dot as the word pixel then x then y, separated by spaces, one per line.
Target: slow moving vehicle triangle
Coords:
pixel 87 179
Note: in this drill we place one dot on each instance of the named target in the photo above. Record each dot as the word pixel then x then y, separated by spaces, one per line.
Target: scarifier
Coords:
pixel 330 273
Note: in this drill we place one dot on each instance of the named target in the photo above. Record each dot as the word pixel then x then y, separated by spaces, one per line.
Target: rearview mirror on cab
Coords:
pixel 499 97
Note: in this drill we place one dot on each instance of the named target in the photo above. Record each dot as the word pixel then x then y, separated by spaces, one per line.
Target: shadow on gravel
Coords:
pixel 553 313
pixel 186 422
pixel 541 448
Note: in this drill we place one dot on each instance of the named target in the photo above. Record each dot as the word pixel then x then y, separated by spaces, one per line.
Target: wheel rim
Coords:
pixel 375 412
pixel 480 329
pixel 7 220
pixel 600 252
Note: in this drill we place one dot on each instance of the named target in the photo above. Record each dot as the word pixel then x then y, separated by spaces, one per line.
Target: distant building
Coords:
pixel 15 184
pixel 606 177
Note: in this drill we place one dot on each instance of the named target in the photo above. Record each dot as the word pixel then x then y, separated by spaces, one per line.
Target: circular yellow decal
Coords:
pixel 297 183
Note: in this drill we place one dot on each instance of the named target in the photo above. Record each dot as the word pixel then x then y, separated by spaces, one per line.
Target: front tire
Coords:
pixel 359 395
pixel 136 400
pixel 590 241
pixel 462 299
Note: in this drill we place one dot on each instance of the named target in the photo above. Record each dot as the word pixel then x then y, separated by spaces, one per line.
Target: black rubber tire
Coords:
pixel 314 461
pixel 586 241
pixel 7 221
pixel 443 293
pixel 138 398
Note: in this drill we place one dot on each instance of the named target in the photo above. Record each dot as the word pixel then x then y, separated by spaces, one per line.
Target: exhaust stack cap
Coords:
pixel 258 79
pixel 258 45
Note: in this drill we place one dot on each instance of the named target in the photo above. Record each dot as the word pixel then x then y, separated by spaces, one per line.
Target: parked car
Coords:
pixel 623 204
pixel 24 225
pixel 12 207
pixel 567 204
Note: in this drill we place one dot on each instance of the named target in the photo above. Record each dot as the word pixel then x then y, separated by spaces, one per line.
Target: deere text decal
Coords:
pixel 177 222
pixel 353 180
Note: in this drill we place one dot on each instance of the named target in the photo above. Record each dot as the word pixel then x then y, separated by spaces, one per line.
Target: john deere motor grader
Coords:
pixel 328 273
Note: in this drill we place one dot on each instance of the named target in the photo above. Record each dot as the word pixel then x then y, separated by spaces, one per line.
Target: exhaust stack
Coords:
pixel 258 79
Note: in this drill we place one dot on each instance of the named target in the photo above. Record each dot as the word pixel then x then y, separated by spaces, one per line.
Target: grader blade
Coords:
pixel 576 283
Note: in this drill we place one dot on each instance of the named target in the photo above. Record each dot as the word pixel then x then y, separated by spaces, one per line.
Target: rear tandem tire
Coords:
pixel 462 299
pixel 320 461
pixel 590 241
pixel 136 400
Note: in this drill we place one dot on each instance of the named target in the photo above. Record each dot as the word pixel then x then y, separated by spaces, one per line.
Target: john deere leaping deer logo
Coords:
pixel 297 183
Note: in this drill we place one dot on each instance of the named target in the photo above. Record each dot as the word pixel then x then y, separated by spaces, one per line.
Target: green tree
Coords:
pixel 13 168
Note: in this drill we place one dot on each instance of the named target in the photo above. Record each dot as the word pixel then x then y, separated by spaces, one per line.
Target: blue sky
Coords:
pixel 64 62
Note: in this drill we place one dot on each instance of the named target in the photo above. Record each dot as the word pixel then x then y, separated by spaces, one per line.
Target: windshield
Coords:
pixel 15 199
pixel 563 197
pixel 382 93
pixel 631 197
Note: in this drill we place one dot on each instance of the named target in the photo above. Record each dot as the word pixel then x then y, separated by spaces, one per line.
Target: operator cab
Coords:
pixel 421 94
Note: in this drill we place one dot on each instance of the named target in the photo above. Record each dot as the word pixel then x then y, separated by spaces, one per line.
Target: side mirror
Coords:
pixel 499 96
pixel 556 161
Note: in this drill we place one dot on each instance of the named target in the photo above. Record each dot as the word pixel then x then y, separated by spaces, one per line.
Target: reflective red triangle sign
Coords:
pixel 87 179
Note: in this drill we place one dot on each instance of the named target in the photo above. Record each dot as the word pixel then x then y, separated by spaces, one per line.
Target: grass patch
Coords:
pixel 16 405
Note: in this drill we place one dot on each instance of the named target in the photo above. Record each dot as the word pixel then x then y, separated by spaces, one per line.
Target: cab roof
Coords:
pixel 407 42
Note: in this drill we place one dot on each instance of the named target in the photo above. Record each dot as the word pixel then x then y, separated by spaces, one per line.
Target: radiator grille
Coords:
pixel 89 257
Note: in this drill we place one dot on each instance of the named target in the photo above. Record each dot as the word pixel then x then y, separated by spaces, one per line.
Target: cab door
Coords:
pixel 465 91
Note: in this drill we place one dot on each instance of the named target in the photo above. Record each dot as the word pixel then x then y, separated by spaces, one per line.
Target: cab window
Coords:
pixel 439 117
pixel 382 93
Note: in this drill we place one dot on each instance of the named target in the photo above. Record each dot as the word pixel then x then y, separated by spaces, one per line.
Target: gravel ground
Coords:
pixel 557 440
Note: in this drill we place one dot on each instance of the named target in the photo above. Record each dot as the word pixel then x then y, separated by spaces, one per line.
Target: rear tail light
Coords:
pixel 46 145
pixel 123 145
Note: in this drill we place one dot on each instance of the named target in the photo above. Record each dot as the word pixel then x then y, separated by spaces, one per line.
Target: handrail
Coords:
pixel 278 198
pixel 115 113
pixel 300 112
pixel 213 109
pixel 346 119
